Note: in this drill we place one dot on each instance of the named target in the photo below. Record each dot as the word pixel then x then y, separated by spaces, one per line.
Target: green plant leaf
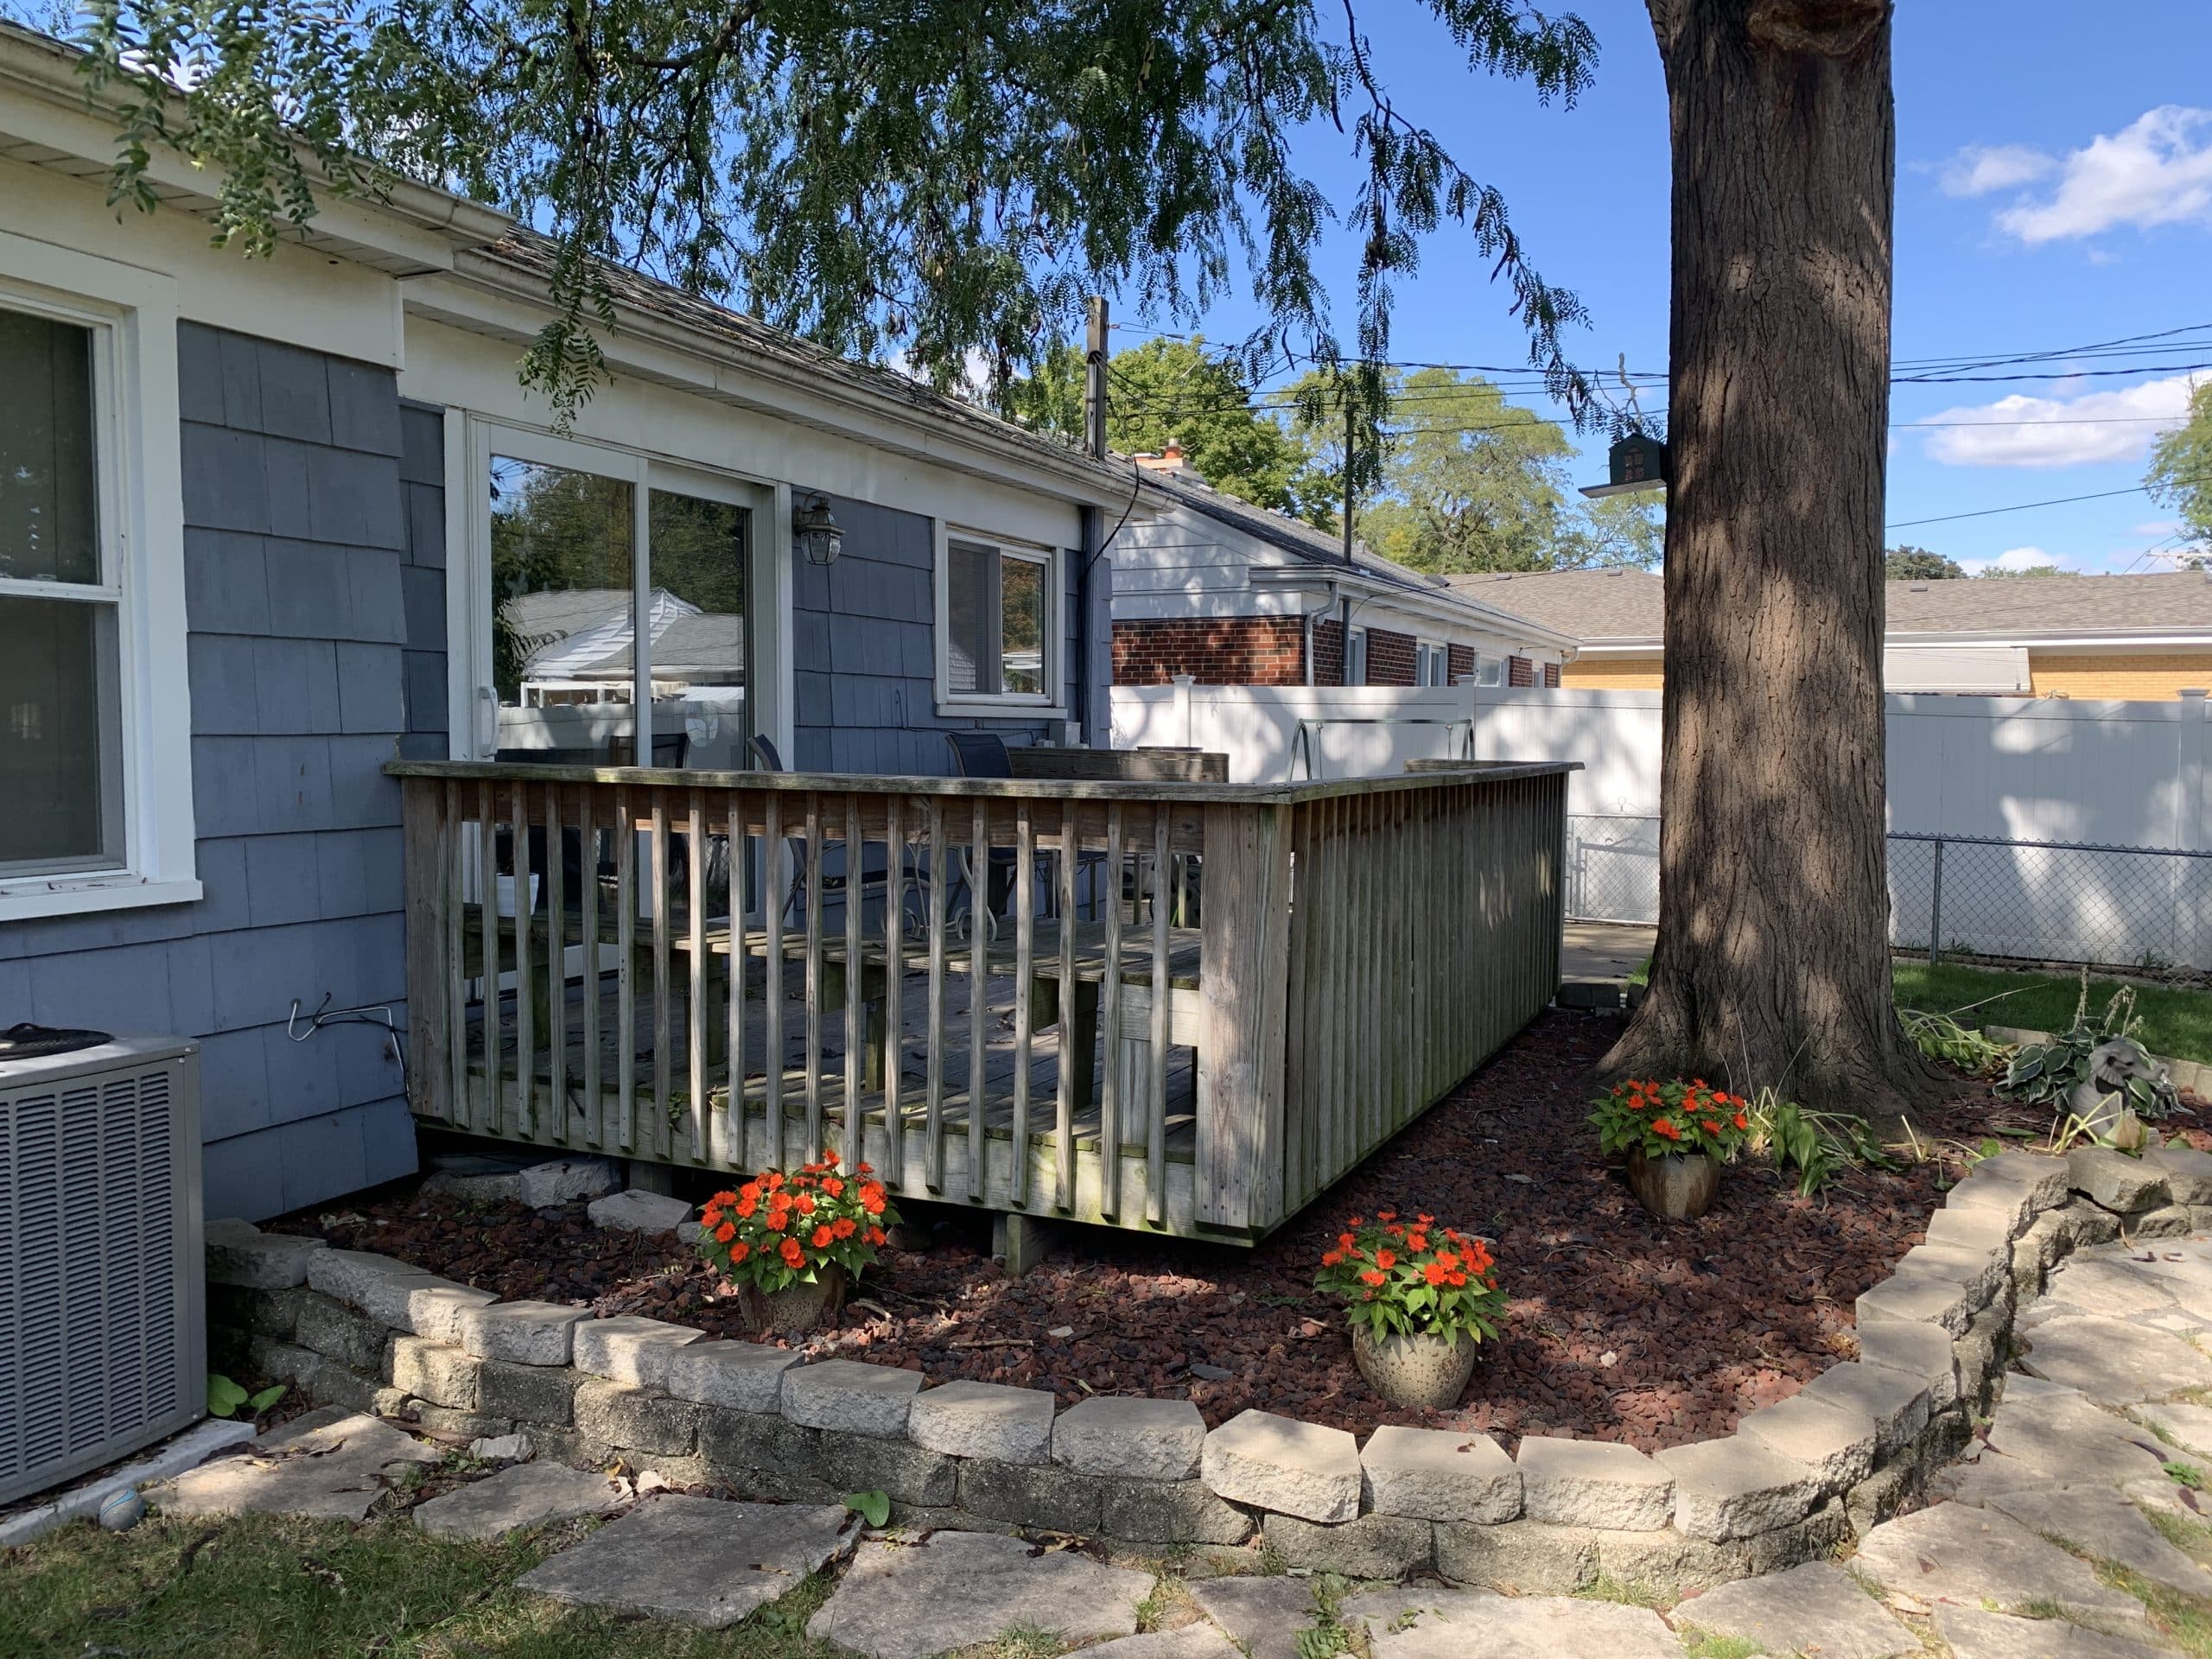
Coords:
pixel 268 1397
pixel 874 1507
pixel 224 1397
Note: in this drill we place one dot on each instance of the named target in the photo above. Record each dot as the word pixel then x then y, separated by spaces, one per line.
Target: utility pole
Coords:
pixel 1094 380
pixel 1348 425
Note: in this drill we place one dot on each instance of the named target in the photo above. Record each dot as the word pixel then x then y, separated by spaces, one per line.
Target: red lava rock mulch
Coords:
pixel 1619 1327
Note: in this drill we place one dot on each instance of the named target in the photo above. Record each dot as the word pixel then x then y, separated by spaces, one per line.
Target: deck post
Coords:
pixel 1244 954
pixel 422 836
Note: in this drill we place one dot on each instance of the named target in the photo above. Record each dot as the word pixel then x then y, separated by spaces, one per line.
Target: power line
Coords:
pixel 2023 506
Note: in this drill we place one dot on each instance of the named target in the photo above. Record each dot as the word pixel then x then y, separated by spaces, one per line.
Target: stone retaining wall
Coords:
pixel 1791 1484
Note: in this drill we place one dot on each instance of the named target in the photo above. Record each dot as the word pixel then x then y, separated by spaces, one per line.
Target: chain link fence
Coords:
pixel 2146 907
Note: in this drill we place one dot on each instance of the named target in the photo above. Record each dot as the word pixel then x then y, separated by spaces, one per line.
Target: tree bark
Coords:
pixel 1772 964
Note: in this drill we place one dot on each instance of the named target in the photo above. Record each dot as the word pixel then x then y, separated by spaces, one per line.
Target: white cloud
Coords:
pixel 1980 169
pixel 2017 558
pixel 2157 170
pixel 2024 431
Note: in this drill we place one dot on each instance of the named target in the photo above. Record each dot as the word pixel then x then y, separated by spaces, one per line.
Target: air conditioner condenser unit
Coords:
pixel 103 1329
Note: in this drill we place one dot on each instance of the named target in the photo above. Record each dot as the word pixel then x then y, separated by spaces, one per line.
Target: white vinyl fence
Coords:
pixel 2065 830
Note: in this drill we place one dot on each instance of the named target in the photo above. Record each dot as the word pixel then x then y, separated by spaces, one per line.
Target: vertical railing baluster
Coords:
pixel 1071 1065
pixel 775 858
pixel 895 975
pixel 695 1035
pixel 625 968
pixel 852 1134
pixel 663 1038
pixel 588 816
pixel 487 1115
pixel 455 850
pixel 1155 1130
pixel 525 981
pixel 1025 964
pixel 979 919
pixel 940 878
pixel 816 862
pixel 734 1127
pixel 1109 1005
pixel 557 970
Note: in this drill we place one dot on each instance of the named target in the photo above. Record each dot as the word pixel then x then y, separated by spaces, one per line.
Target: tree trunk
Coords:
pixel 1772 964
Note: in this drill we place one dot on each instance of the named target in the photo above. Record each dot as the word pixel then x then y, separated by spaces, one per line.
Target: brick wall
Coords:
pixel 1458 664
pixel 1551 675
pixel 2153 676
pixel 1615 673
pixel 1328 653
pixel 1212 650
pixel 1519 670
pixel 1390 659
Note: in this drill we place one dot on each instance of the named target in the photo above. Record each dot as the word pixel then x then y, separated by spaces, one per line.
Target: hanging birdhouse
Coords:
pixel 1637 462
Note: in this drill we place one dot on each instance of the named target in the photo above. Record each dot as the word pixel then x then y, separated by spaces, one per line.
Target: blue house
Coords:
pixel 267 525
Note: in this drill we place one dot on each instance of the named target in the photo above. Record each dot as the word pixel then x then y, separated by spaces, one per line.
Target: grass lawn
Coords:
pixel 2175 1023
pixel 258 1588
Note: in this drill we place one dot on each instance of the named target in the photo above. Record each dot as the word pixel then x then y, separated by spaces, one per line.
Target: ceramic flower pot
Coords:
pixel 1680 1188
pixel 1421 1372
pixel 797 1308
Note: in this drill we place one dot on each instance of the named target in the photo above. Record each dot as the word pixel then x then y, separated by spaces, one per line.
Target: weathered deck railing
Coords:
pixel 960 981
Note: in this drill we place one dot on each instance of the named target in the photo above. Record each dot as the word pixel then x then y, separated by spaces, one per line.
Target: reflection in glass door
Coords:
pixel 696 644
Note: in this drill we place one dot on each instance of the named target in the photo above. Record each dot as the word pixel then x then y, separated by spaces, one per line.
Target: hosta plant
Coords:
pixel 1400 1278
pixel 2094 1069
pixel 776 1230
pixel 1670 1119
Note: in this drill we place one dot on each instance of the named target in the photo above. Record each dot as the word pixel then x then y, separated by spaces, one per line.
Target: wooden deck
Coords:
pixel 1183 1007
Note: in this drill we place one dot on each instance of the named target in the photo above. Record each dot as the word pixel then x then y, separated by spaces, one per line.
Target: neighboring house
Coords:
pixel 266 522
pixel 2126 638
pixel 1234 595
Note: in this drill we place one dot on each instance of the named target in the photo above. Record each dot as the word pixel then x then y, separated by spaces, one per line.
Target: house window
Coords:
pixel 94 759
pixel 1356 657
pixel 1430 665
pixel 998 623
pixel 1489 671
pixel 579 541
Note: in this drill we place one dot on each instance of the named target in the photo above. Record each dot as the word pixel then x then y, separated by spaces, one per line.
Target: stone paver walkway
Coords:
pixel 2076 1493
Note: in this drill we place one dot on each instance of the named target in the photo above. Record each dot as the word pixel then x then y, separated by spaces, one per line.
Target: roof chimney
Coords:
pixel 1170 461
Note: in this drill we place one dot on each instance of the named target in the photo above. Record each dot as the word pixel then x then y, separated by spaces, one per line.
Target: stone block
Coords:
pixel 337 1331
pixel 1432 1475
pixel 1924 1350
pixel 1979 1271
pixel 633 1418
pixel 2112 1181
pixel 468 1425
pixel 1980 1355
pixel 563 1181
pixel 1031 1495
pixel 2089 1225
pixel 323 1382
pixel 242 1255
pixel 538 1394
pixel 1524 1557
pixel 983 1419
pixel 1983 1230
pixel 528 1495
pixel 1835 1440
pixel 1593 1484
pixel 851 1398
pixel 1119 1434
pixel 1816 1607
pixel 2188 1172
pixel 1370 1547
pixel 1819 1536
pixel 1279 1463
pixel 1919 1299
pixel 2020 1185
pixel 1169 1512
pixel 521 1333
pixel 868 1463
pixel 1665 1562
pixel 1895 1401
pixel 630 1349
pixel 433 1309
pixel 376 1285
pixel 1881 1495
pixel 1733 1487
pixel 638 1211
pixel 736 1442
pixel 263 1312
pixel 742 1376
pixel 436 1371
pixel 2167 1221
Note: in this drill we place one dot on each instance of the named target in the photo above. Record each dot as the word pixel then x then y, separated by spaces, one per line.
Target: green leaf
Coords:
pixel 268 1397
pixel 874 1507
pixel 224 1397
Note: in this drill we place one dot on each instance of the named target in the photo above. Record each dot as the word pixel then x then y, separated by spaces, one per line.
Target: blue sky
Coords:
pixel 2053 189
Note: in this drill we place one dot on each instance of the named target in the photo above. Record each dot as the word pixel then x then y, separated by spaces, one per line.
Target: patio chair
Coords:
pixel 772 760
pixel 983 755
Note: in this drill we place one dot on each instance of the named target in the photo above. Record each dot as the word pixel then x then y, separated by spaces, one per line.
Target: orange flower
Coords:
pixel 834 1187
pixel 1346 1241
pixel 1370 1277
pixel 1743 1122
pixel 1385 1214
pixel 1458 1279
pixel 1665 1127
pixel 1386 1260
pixel 1446 1260
pixel 779 1219
pixel 823 1235
pixel 1708 1126
pixel 739 1251
pixel 1332 1258
pixel 746 1207
pixel 876 1236
pixel 791 1253
pixel 845 1227
pixel 872 1199
pixel 726 1232
pixel 1416 1241
pixel 805 1204
pixel 1435 1274
pixel 750 1190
